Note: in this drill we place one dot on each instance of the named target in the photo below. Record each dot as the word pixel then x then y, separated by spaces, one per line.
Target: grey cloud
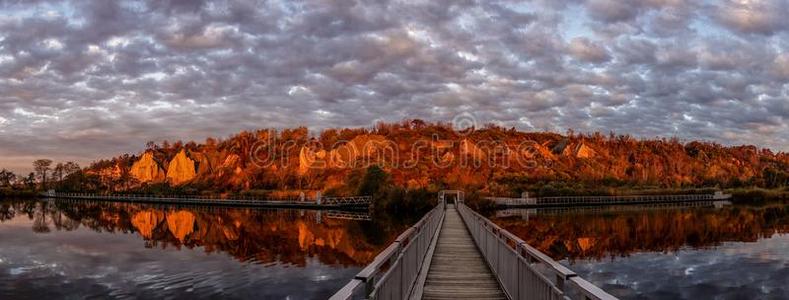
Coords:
pixel 760 17
pixel 103 78
pixel 586 50
pixel 612 10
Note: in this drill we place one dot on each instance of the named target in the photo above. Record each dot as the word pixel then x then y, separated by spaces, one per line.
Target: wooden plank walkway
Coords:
pixel 457 270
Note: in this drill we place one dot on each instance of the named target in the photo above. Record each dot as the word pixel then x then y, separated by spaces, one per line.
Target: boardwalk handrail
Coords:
pixel 203 199
pixel 523 271
pixel 394 271
pixel 616 199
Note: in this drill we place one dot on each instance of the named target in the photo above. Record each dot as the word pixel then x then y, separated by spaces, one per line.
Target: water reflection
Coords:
pixel 118 250
pixel 698 251
pixel 619 231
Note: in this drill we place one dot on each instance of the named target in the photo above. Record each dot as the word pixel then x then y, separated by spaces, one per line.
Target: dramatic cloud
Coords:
pixel 84 79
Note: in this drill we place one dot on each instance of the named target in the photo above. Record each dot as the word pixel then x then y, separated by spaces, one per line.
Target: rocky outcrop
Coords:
pixel 147 169
pixel 579 150
pixel 204 165
pixel 371 146
pixel 561 146
pixel 584 151
pixel 181 169
pixel 536 151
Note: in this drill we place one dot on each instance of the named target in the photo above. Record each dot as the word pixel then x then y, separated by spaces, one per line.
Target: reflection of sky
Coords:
pixel 733 270
pixel 83 262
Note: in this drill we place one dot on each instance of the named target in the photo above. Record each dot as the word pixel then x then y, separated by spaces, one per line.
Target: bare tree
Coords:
pixel 70 168
pixel 57 172
pixel 29 181
pixel 7 178
pixel 41 167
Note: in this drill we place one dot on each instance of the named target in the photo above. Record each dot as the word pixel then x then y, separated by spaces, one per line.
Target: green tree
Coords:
pixel 374 180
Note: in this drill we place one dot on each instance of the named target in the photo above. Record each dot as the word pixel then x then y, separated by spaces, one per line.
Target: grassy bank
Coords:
pixel 746 195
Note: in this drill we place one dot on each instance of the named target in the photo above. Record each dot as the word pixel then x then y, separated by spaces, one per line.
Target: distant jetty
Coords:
pixel 319 202
pixel 526 201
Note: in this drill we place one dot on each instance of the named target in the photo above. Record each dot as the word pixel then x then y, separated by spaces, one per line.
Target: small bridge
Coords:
pixel 455 253
pixel 331 203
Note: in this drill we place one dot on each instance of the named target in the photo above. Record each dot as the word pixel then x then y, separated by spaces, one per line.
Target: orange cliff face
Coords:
pixel 510 160
pixel 147 169
pixel 344 155
pixel 181 169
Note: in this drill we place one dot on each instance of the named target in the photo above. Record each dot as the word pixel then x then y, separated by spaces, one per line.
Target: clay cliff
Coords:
pixel 181 169
pixel 147 169
pixel 425 155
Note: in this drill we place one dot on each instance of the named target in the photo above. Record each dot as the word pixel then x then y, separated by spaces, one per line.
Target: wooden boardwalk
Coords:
pixel 457 269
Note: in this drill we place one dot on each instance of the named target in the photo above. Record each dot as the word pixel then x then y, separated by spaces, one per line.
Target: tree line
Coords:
pixel 46 175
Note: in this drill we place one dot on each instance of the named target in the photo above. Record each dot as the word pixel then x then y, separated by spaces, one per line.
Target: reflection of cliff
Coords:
pixel 180 223
pixel 146 221
pixel 285 236
pixel 597 235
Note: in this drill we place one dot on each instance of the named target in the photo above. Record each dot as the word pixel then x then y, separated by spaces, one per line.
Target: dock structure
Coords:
pixel 458 270
pixel 330 203
pixel 455 253
pixel 525 201
pixel 526 212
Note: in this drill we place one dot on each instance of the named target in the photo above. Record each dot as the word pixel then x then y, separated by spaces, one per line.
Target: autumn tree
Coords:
pixel 41 167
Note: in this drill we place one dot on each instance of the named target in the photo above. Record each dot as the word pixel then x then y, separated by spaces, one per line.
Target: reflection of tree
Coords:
pixel 285 236
pixel 7 211
pixel 40 218
pixel 597 235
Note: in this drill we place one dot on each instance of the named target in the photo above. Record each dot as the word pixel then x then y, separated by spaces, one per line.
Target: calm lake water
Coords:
pixel 65 250
pixel 651 252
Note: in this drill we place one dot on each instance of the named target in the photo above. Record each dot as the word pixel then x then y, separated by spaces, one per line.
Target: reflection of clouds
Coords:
pixel 732 270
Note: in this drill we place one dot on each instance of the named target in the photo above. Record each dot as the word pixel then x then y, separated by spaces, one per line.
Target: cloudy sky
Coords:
pixel 86 79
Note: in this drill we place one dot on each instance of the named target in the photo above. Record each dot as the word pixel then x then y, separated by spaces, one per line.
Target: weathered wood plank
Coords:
pixel 457 270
